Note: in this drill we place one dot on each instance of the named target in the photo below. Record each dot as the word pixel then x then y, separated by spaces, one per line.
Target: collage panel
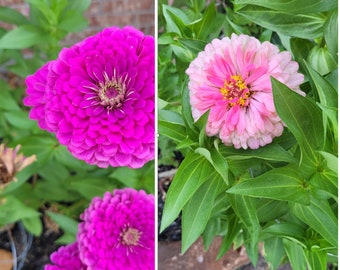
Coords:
pixel 77 134
pixel 238 98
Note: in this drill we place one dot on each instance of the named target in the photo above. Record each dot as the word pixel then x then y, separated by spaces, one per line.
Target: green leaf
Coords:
pixel 272 152
pixel 89 187
pixel 176 20
pixel 295 255
pixel 216 160
pixel 46 10
pixel 210 22
pixel 320 217
pixel 22 37
pixel 197 211
pixel 293 6
pixel 12 16
pixel 13 210
pixel 33 225
pixel 302 116
pixel 284 183
pixel 192 173
pixel 331 160
pixel 7 101
pixel 68 224
pixel 317 259
pixel 19 119
pixel 194 45
pixel 173 131
pixel 268 210
pixel 55 191
pixel 331 32
pixel 274 252
pixel 73 22
pixel 79 5
pixel 244 207
pixel 233 228
pixel 298 25
pixel 285 230
pixel 322 60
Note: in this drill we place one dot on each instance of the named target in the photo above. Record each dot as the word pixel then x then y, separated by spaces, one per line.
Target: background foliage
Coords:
pixel 283 194
pixel 57 185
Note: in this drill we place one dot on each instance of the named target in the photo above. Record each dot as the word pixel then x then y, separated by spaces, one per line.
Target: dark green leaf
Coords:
pixel 320 217
pixel 284 183
pixel 272 152
pixel 21 37
pixel 286 23
pixel 194 45
pixel 192 173
pixel 176 20
pixel 233 228
pixel 331 32
pixel 285 230
pixel 89 187
pixel 322 60
pixel 302 116
pixel 173 131
pixel 245 209
pixel 294 6
pixel 268 210
pixel 197 211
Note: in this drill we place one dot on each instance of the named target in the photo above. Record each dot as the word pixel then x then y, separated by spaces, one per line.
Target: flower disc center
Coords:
pixel 130 237
pixel 111 94
pixel 235 91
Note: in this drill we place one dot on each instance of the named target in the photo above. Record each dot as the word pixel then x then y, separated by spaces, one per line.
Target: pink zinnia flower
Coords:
pixel 117 231
pixel 231 78
pixel 98 97
pixel 66 258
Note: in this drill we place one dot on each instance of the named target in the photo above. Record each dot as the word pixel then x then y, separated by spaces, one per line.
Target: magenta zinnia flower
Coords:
pixel 231 78
pixel 117 231
pixel 66 258
pixel 98 97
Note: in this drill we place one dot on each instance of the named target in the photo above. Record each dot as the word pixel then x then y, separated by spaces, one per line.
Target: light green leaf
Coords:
pixel 298 25
pixel 216 160
pixel 19 119
pixel 331 160
pixel 197 211
pixel 173 131
pixel 295 255
pixel 320 217
pixel 73 22
pixel 89 187
pixel 7 101
pixel 22 37
pixel 192 173
pixel 302 116
pixel 176 20
pixel 317 259
pixel 68 224
pixel 33 225
pixel 13 210
pixel 284 183
pixel 12 16
pixel 294 6
pixel 322 60
pixel 274 252
pixel 79 5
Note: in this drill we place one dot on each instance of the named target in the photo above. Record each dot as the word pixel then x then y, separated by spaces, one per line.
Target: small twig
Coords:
pixel 13 249
pixel 167 174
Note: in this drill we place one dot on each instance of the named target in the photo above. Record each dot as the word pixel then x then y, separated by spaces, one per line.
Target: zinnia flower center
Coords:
pixel 130 237
pixel 111 93
pixel 235 91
